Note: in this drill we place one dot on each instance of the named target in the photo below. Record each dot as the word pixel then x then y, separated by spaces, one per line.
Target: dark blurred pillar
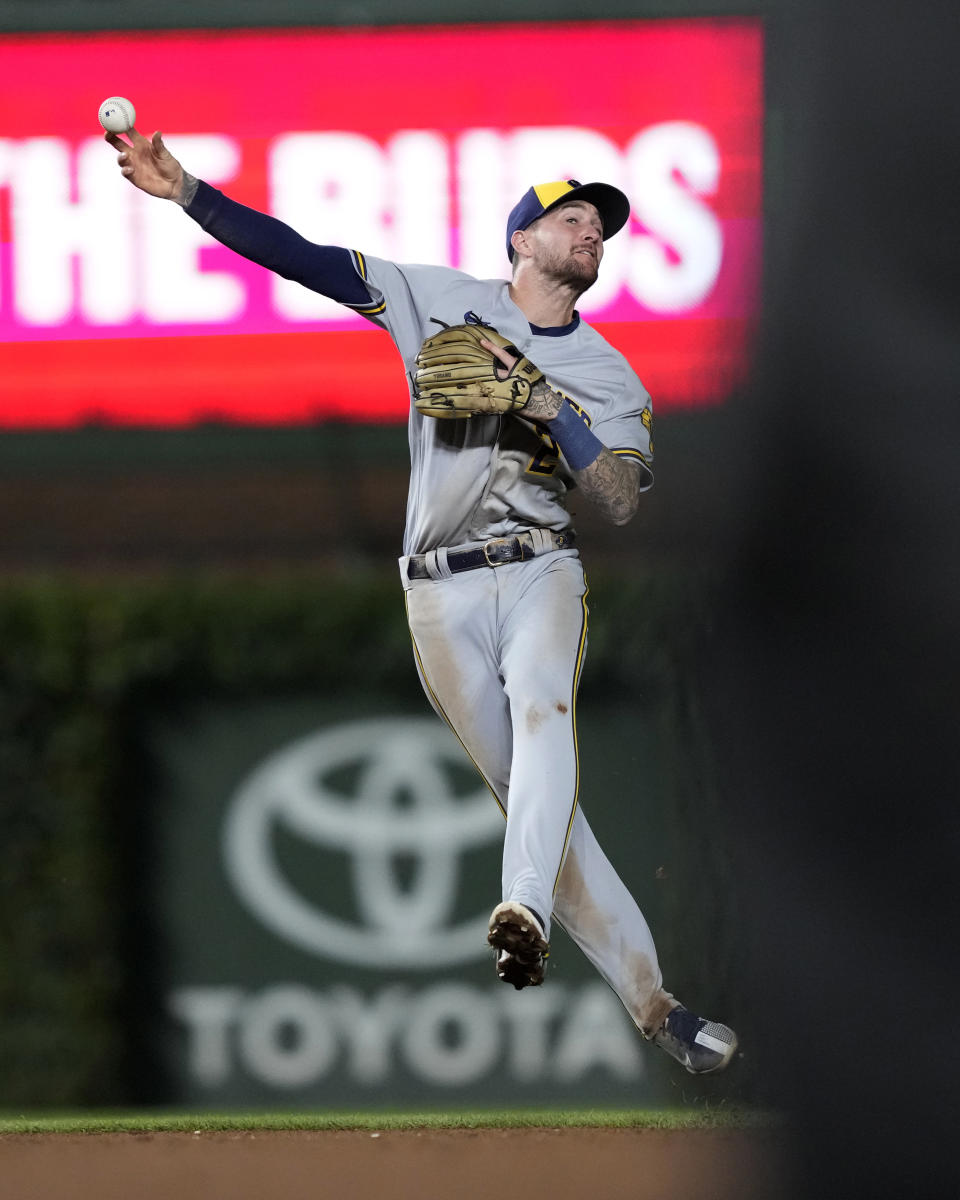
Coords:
pixel 837 678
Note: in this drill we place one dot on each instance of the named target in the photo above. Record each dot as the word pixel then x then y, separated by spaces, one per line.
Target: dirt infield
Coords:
pixel 557 1164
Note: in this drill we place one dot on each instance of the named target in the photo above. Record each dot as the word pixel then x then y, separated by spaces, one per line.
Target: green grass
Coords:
pixel 720 1117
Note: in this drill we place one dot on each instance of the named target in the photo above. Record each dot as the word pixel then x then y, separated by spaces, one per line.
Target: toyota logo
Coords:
pixel 400 802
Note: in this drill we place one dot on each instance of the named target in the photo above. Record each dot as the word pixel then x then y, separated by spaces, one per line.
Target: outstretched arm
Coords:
pixel 149 166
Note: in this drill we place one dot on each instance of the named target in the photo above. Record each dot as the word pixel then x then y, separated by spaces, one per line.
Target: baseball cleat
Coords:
pixel 699 1045
pixel 517 933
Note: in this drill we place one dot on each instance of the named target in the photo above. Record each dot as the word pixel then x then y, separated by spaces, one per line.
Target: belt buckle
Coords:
pixel 492 562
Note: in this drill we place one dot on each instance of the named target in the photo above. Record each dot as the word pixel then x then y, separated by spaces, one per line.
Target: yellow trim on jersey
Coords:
pixel 376 306
pixel 576 746
pixel 440 709
pixel 631 453
pixel 547 193
pixel 370 310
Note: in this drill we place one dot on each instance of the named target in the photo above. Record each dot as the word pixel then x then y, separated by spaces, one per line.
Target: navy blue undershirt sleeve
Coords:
pixel 274 245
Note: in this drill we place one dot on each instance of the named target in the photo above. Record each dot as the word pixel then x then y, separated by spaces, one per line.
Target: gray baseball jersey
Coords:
pixel 500 652
pixel 486 477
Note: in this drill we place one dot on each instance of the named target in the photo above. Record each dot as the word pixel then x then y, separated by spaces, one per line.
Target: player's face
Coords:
pixel 568 244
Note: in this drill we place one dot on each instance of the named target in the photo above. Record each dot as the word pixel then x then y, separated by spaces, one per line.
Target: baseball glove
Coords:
pixel 457 377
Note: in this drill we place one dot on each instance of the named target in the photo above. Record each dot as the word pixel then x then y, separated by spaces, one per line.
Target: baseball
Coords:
pixel 117 115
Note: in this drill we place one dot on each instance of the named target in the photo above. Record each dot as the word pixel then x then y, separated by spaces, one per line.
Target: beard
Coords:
pixel 574 271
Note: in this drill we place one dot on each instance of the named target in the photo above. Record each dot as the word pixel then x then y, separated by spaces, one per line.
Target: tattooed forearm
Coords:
pixel 188 189
pixel 613 485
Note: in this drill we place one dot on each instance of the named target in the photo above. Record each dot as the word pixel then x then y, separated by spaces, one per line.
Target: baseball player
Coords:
pixel 515 401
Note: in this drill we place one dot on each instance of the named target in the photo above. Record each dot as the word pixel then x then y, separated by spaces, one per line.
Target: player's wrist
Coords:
pixel 185 190
pixel 579 445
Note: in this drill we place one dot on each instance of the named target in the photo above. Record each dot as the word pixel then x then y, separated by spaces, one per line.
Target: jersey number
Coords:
pixel 547 458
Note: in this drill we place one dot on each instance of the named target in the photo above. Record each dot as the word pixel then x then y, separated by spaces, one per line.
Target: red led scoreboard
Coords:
pixel 117 308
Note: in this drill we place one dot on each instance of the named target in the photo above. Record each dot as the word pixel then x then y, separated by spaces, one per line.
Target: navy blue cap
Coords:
pixel 612 205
